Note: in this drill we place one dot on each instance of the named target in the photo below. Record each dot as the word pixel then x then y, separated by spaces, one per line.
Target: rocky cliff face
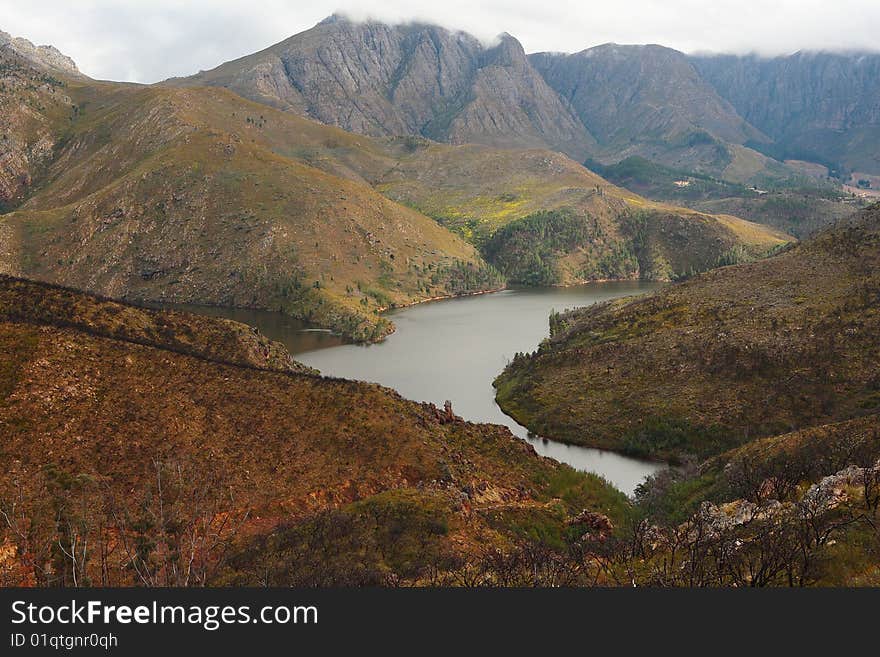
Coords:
pixel 640 92
pixel 44 56
pixel 816 106
pixel 413 79
pixel 33 102
pixel 705 114
pixel 648 101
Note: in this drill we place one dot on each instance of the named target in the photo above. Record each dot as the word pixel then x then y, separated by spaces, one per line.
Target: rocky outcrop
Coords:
pixel 593 524
pixel 820 498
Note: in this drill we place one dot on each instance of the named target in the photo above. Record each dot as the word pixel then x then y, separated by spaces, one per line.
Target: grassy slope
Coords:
pixel 166 201
pixel 97 395
pixel 798 212
pixel 477 191
pixel 197 195
pixel 798 206
pixel 731 355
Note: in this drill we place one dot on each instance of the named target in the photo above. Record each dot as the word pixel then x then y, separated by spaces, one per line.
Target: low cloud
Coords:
pixel 149 41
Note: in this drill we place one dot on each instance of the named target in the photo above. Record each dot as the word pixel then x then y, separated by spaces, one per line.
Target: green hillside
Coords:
pixel 728 356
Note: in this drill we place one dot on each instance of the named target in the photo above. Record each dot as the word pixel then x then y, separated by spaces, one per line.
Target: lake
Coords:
pixel 452 350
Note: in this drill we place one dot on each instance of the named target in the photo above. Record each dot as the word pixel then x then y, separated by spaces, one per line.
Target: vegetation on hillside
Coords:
pixel 798 205
pixel 195 196
pixel 527 250
pixel 234 472
pixel 199 196
pixel 725 357
pixel 759 382
pixel 151 448
pixel 658 181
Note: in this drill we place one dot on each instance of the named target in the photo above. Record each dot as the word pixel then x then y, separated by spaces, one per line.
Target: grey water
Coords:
pixel 452 350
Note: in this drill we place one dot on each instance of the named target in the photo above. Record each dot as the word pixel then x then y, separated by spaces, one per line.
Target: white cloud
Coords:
pixel 146 41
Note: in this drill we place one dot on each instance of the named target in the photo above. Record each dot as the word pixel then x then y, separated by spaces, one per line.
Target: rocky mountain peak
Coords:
pixel 508 52
pixel 632 97
pixel 44 56
pixel 417 79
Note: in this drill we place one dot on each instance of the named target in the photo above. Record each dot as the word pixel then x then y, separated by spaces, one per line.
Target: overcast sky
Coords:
pixel 150 40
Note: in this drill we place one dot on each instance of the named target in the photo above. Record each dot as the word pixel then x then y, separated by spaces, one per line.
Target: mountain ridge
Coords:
pixel 46 56
pixel 196 195
pixel 414 78
pixel 423 80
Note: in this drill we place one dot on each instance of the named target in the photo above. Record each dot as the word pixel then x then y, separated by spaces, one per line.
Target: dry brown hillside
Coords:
pixel 145 447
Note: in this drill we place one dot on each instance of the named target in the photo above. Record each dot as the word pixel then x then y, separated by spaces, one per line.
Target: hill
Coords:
pixel 798 509
pixel 728 356
pixel 798 208
pixel 166 195
pixel 180 455
pixel 540 216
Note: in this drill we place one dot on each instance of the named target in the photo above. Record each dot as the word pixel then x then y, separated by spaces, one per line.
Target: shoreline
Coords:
pixel 443 297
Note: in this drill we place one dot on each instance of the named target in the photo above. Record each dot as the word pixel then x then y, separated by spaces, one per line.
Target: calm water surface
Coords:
pixel 453 349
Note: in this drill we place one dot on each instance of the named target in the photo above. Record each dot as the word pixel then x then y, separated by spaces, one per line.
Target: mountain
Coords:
pixel 736 118
pixel 816 106
pixel 180 454
pixel 798 210
pixel 196 195
pixel 413 79
pixel 734 354
pixel 541 218
pixel 33 104
pixel 47 57
pixel 648 101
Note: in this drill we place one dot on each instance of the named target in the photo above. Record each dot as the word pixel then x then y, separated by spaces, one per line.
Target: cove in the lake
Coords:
pixel 453 350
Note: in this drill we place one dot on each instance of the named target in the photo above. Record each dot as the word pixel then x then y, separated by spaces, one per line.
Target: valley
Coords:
pixel 732 355
pixel 190 451
pixel 387 304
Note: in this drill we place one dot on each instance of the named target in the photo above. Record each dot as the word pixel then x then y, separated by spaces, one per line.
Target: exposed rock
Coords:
pixel 594 525
pixel 45 56
pixel 820 498
pixel 832 490
pixel 815 105
pixel 412 79
pixel 646 100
